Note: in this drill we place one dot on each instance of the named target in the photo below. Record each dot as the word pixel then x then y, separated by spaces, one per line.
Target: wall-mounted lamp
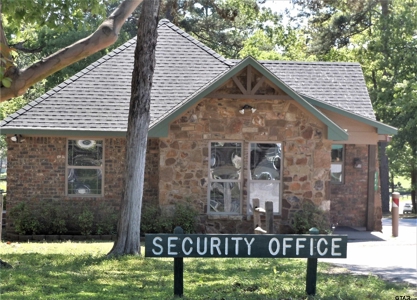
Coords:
pixel 357 163
pixel 17 138
pixel 246 106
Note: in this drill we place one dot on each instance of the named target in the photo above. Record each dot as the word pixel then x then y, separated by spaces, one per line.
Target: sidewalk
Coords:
pixel 392 258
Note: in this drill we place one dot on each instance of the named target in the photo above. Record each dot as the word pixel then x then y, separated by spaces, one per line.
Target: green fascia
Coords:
pixel 381 127
pixel 63 132
pixel 161 127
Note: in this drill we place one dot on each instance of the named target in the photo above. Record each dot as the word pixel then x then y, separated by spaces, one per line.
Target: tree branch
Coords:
pixel 19 46
pixel 105 35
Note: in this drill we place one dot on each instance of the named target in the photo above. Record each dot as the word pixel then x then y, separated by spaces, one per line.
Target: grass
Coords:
pixel 82 271
pixel 405 182
pixel 3 185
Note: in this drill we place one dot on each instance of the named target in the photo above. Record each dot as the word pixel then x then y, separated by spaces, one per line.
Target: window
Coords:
pixel 265 174
pixel 336 169
pixel 85 168
pixel 225 176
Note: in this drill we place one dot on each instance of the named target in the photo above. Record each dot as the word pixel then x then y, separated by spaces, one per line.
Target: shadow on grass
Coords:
pixel 86 276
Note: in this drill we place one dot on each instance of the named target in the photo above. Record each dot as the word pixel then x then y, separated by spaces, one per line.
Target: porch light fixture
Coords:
pixel 17 138
pixel 246 106
pixel 357 163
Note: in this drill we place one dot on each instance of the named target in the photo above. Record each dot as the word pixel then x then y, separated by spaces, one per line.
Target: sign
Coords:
pixel 246 245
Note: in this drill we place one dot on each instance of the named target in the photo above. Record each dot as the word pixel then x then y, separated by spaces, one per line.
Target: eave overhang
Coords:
pixel 381 128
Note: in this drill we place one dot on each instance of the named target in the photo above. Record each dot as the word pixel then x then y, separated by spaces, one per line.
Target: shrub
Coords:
pixel 311 216
pixel 86 221
pixel 185 216
pixel 153 220
pixel 24 219
pixel 52 218
pixel 106 219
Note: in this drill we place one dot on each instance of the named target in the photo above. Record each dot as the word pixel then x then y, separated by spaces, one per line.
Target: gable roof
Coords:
pixel 334 131
pixel 95 101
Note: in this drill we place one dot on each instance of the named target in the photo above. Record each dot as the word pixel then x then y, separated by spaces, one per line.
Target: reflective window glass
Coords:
pixel 265 161
pixel 336 168
pixel 85 167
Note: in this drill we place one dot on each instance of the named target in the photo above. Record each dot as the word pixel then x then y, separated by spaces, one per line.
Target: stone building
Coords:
pixel 222 132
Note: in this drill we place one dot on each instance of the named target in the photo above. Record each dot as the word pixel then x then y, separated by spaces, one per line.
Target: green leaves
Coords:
pixel 6 82
pixel 6 62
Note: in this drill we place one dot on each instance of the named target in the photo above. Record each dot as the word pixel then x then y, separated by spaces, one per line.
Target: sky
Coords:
pixel 277 5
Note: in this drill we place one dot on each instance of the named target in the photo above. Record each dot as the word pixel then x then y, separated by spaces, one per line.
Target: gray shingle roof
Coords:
pixel 97 98
pixel 339 84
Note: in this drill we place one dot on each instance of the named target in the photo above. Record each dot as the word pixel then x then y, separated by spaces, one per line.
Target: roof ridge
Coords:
pixel 195 41
pixel 235 61
pixel 310 62
pixel 63 84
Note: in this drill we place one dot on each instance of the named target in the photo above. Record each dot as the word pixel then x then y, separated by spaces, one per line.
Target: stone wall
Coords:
pixel 349 199
pixel 36 173
pixel 184 156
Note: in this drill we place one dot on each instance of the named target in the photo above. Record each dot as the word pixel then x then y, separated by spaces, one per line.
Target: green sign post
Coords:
pixel 178 246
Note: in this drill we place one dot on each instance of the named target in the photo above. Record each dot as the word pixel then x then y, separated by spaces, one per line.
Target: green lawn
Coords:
pixel 72 270
pixel 405 182
pixel 3 185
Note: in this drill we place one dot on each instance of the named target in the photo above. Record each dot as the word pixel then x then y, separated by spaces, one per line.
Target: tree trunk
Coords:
pixel 128 230
pixel 383 176
pixel 413 188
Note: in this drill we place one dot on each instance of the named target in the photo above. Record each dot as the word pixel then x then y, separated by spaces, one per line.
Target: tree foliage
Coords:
pixel 222 25
pixel 382 36
pixel 16 80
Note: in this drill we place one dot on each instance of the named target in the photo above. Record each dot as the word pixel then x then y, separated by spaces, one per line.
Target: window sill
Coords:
pixel 225 217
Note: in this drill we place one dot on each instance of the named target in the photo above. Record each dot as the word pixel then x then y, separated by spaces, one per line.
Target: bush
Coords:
pixel 24 219
pixel 52 218
pixel 185 216
pixel 153 220
pixel 86 221
pixel 106 219
pixel 311 216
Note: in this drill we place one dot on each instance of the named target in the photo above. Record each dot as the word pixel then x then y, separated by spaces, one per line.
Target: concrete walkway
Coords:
pixel 392 258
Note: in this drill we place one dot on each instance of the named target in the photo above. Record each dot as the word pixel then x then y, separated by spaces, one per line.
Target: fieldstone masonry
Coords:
pixel 184 156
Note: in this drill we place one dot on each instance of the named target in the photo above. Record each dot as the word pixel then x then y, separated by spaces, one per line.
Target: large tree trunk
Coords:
pixel 414 188
pixel 103 37
pixel 383 176
pixel 128 230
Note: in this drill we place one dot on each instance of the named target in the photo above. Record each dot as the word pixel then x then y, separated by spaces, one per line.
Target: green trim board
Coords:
pixel 334 131
pixel 381 127
pixel 63 132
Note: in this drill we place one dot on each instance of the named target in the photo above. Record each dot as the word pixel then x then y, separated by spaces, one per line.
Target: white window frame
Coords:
pixel 250 180
pixel 101 167
pixel 239 181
